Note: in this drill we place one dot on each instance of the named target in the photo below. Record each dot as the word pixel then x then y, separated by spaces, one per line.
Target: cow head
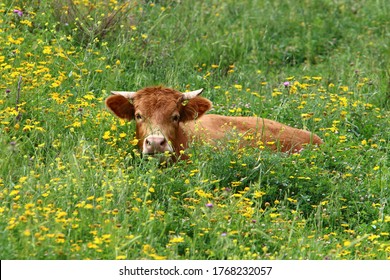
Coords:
pixel 159 113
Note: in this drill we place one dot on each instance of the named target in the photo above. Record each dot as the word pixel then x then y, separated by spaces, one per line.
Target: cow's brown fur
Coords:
pixel 161 110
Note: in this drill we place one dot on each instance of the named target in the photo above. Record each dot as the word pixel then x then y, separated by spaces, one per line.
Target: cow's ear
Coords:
pixel 195 108
pixel 120 106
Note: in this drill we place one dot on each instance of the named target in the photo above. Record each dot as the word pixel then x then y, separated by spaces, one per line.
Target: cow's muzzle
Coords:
pixel 156 144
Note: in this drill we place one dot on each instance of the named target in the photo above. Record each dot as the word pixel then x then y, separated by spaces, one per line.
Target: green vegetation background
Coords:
pixel 73 185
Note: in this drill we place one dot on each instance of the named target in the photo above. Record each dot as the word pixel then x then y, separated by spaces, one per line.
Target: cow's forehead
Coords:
pixel 156 100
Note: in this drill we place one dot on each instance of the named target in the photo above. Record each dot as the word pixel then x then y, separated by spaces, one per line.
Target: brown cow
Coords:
pixel 167 121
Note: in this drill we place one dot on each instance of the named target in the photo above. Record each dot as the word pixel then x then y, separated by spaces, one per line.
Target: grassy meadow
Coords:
pixel 74 186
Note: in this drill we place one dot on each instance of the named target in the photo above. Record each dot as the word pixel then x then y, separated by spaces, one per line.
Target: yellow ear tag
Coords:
pixel 185 102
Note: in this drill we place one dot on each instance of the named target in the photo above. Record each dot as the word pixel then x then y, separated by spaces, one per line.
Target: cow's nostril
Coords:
pixel 163 142
pixel 148 142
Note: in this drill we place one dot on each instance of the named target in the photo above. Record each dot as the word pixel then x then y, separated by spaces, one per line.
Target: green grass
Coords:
pixel 73 185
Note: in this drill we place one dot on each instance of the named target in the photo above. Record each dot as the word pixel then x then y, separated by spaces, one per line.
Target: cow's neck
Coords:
pixel 181 140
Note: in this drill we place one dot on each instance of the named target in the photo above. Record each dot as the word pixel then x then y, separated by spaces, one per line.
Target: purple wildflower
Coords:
pixel 209 205
pixel 286 84
pixel 18 12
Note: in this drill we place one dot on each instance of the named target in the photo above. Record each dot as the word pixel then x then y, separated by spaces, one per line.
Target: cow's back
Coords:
pixel 251 131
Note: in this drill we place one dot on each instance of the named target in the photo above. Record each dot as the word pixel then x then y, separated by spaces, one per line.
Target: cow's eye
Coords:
pixel 138 117
pixel 175 118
